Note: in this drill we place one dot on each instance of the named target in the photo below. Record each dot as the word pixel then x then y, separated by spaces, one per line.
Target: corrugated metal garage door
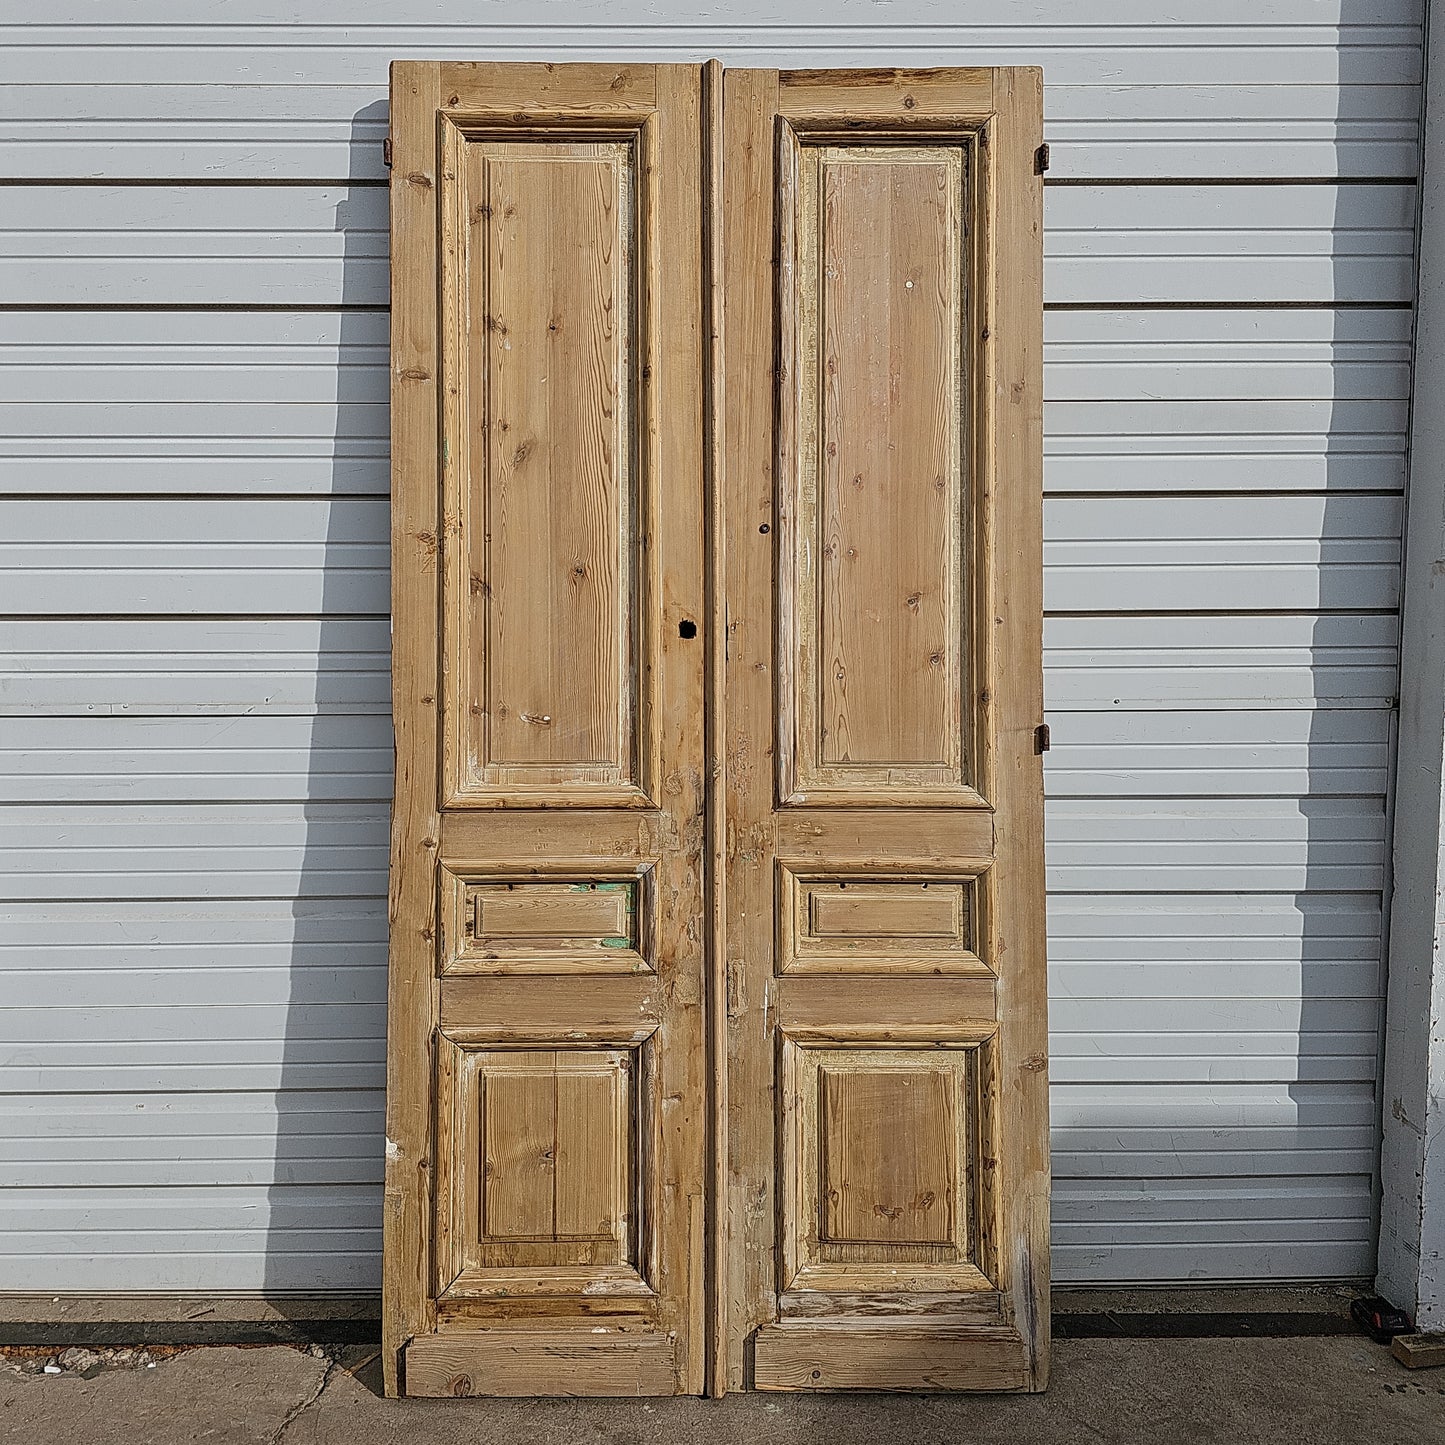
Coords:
pixel 197 756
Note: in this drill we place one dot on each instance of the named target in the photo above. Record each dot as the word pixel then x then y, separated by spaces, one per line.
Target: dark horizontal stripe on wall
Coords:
pixel 1214 306
pixel 1231 180
pixel 121 1333
pixel 194 182
pixel 318 308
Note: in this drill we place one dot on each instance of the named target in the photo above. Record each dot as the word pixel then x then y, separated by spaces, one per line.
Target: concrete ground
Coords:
pixel 1235 1391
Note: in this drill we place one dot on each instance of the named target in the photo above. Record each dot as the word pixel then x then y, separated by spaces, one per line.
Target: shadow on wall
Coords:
pixel 1344 900
pixel 323 1229
pixel 1345 815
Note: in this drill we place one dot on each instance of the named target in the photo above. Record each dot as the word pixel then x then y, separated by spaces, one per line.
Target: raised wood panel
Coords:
pixel 872 461
pixel 587 922
pixel 883 1169
pixel 546 604
pixel 890 1157
pixel 843 921
pixel 554 1158
pixel 537 1166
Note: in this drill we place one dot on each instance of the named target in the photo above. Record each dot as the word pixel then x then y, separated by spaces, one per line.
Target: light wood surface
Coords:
pixel 551 1019
pixel 887 1068
pixel 407 1308
pixel 895 1357
pixel 607 1360
pixel 717 1018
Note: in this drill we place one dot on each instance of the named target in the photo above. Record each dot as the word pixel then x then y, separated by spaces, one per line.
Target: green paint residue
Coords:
pixel 617 943
pixel 611 887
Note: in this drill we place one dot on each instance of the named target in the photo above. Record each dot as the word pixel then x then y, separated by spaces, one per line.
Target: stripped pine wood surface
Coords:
pixel 886 1124
pixel 558 631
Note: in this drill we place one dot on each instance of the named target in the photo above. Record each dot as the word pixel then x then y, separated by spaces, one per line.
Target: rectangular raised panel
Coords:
pixel 537 1166
pixel 871 923
pixel 546 601
pixel 905 911
pixel 882 1168
pixel 890 1159
pixel 554 1146
pixel 527 925
pixel 584 911
pixel 873 469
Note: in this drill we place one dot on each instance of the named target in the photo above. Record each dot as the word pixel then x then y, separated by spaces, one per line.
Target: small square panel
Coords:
pixel 554 1133
pixel 883 1184
pixel 537 1164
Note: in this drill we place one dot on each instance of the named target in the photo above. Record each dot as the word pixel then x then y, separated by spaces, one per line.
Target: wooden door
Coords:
pixel 716 1052
pixel 887 1167
pixel 547 1072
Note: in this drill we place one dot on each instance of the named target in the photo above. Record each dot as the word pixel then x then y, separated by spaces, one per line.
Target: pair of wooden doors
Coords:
pixel 717 1007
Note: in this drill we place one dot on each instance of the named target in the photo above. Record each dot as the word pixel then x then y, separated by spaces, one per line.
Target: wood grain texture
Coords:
pixel 565 982
pixel 871 452
pixel 850 920
pixel 547 614
pixel 407 1308
pixel 890 1156
pixel 797 1356
pixel 715 635
pixel 875 1146
pixel 607 1360
pixel 882 508
pixel 750 106
pixel 593 922
pixel 1012 393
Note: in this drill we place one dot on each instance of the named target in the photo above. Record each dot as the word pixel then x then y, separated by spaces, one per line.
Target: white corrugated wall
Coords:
pixel 193 478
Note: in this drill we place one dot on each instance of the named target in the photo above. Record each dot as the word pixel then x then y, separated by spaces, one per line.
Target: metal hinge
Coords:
pixel 1041 739
pixel 386 152
pixel 1041 159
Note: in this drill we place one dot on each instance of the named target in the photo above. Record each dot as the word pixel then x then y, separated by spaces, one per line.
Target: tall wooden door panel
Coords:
pixel 547 1090
pixel 716 1021
pixel 887 1174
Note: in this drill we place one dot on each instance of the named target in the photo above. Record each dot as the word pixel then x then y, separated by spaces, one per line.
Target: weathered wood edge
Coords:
pixel 415 535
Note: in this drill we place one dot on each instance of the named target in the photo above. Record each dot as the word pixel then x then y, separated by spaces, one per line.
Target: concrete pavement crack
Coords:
pixel 296 1411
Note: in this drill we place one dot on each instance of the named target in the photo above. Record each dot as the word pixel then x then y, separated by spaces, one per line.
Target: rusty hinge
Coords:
pixel 1041 159
pixel 386 152
pixel 1041 739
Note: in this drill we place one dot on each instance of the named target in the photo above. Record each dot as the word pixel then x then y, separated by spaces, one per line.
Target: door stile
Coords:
pixel 750 100
pixel 415 823
pixel 1012 393
pixel 714 409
